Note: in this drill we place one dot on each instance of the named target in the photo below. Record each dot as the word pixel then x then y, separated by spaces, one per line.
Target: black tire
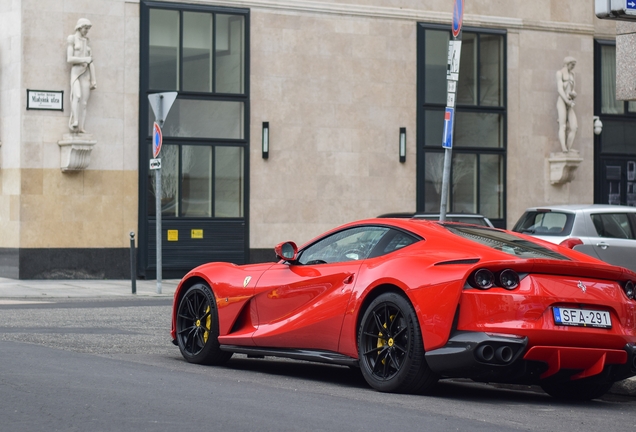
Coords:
pixel 198 327
pixel 390 347
pixel 584 389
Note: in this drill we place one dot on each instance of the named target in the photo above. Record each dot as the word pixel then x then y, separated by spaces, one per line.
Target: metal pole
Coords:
pixel 448 157
pixel 133 278
pixel 158 232
pixel 158 205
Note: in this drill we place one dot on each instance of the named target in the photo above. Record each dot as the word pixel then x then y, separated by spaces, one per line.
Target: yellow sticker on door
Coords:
pixel 196 234
pixel 173 235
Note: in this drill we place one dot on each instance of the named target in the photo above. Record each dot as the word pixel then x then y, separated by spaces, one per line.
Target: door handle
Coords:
pixel 348 279
pixel 602 245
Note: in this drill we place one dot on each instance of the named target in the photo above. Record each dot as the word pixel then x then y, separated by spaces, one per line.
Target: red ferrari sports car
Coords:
pixel 413 301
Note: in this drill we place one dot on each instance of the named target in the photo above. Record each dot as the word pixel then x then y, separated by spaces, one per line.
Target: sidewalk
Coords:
pixel 17 291
pixel 79 288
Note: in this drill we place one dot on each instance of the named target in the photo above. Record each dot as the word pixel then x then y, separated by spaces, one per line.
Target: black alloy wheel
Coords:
pixel 198 327
pixel 390 347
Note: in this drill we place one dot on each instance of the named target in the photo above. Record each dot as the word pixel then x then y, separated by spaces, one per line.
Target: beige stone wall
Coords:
pixel 335 91
pixel 10 96
pixel 40 205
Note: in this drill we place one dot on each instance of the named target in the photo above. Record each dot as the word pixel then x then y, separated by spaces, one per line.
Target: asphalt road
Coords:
pixel 75 365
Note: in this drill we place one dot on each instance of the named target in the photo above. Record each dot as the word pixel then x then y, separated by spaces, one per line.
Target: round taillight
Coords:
pixel 629 290
pixel 571 242
pixel 509 279
pixel 484 279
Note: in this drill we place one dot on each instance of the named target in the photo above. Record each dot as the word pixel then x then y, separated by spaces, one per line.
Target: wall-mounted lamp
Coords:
pixel 265 140
pixel 598 125
pixel 402 150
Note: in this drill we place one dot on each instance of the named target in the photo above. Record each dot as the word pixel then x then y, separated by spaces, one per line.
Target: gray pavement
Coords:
pixel 13 291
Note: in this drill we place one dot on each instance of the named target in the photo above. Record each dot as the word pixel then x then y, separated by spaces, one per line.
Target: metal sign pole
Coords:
pixel 161 104
pixel 452 76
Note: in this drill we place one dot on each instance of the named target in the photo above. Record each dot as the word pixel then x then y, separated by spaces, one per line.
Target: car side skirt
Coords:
pixel 318 356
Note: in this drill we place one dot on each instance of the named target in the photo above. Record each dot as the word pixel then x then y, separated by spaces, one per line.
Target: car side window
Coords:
pixel 348 245
pixel 613 225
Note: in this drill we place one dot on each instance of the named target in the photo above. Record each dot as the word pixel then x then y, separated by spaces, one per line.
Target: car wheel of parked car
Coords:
pixel 390 347
pixel 583 389
pixel 197 327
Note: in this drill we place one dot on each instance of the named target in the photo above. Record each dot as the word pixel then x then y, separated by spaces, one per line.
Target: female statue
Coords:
pixel 565 104
pixel 78 53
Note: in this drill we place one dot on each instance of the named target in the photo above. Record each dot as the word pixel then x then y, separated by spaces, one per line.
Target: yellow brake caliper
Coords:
pixel 208 323
pixel 383 342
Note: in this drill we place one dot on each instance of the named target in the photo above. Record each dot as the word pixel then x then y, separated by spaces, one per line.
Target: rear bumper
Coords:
pixel 498 358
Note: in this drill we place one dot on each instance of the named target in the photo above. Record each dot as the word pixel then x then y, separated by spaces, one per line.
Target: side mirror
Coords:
pixel 286 251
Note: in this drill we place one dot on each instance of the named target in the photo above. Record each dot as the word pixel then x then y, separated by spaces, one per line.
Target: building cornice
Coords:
pixel 365 11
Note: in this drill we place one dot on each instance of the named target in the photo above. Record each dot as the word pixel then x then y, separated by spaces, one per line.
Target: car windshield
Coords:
pixel 545 223
pixel 504 242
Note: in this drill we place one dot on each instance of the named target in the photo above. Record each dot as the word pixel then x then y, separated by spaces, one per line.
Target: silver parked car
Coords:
pixel 606 232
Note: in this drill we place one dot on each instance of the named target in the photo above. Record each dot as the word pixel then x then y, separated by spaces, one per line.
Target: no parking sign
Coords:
pixel 157 139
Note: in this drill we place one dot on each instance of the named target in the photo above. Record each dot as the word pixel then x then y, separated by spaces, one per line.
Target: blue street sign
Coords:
pixel 458 17
pixel 157 140
pixel 447 141
pixel 630 4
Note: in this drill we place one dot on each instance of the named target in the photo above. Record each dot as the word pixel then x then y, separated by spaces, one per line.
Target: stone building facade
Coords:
pixel 334 83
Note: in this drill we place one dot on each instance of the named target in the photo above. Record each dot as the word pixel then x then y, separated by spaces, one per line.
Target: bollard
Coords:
pixel 133 279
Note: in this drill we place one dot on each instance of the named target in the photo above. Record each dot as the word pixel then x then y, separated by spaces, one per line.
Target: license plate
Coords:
pixel 582 317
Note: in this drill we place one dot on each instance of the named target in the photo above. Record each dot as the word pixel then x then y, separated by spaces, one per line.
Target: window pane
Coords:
pixel 615 225
pixel 203 119
pixel 196 181
pixel 197 52
pixel 433 181
pixel 631 106
pixel 230 54
pixel 618 137
pixel 464 183
pixel 467 85
pixel 491 74
pixel 478 130
pixel 169 182
pixel 491 186
pixel 228 182
pixel 433 127
pixel 609 104
pixel 436 59
pixel 164 50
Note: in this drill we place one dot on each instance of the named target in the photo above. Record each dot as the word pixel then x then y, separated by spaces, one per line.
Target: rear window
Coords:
pixel 545 223
pixel 463 219
pixel 504 242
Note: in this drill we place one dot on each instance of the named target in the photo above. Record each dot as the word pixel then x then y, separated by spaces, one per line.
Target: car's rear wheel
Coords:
pixel 198 327
pixel 390 347
pixel 584 389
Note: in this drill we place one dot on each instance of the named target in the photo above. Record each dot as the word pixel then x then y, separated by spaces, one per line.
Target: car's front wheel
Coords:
pixel 198 327
pixel 390 347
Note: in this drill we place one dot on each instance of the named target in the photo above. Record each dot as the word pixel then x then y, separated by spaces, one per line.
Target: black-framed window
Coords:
pixel 615 147
pixel 479 142
pixel 202 53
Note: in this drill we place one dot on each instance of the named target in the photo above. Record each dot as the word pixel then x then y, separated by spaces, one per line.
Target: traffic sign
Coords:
pixel 623 10
pixel 157 140
pixel 155 164
pixel 458 17
pixel 449 117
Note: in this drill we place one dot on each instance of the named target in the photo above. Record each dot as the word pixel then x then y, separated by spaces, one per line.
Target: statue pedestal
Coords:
pixel 75 151
pixel 563 166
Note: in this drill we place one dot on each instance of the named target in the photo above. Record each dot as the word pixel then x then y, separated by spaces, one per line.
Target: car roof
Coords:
pixel 584 208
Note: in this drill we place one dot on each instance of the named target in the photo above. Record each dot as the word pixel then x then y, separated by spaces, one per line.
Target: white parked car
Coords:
pixel 606 232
